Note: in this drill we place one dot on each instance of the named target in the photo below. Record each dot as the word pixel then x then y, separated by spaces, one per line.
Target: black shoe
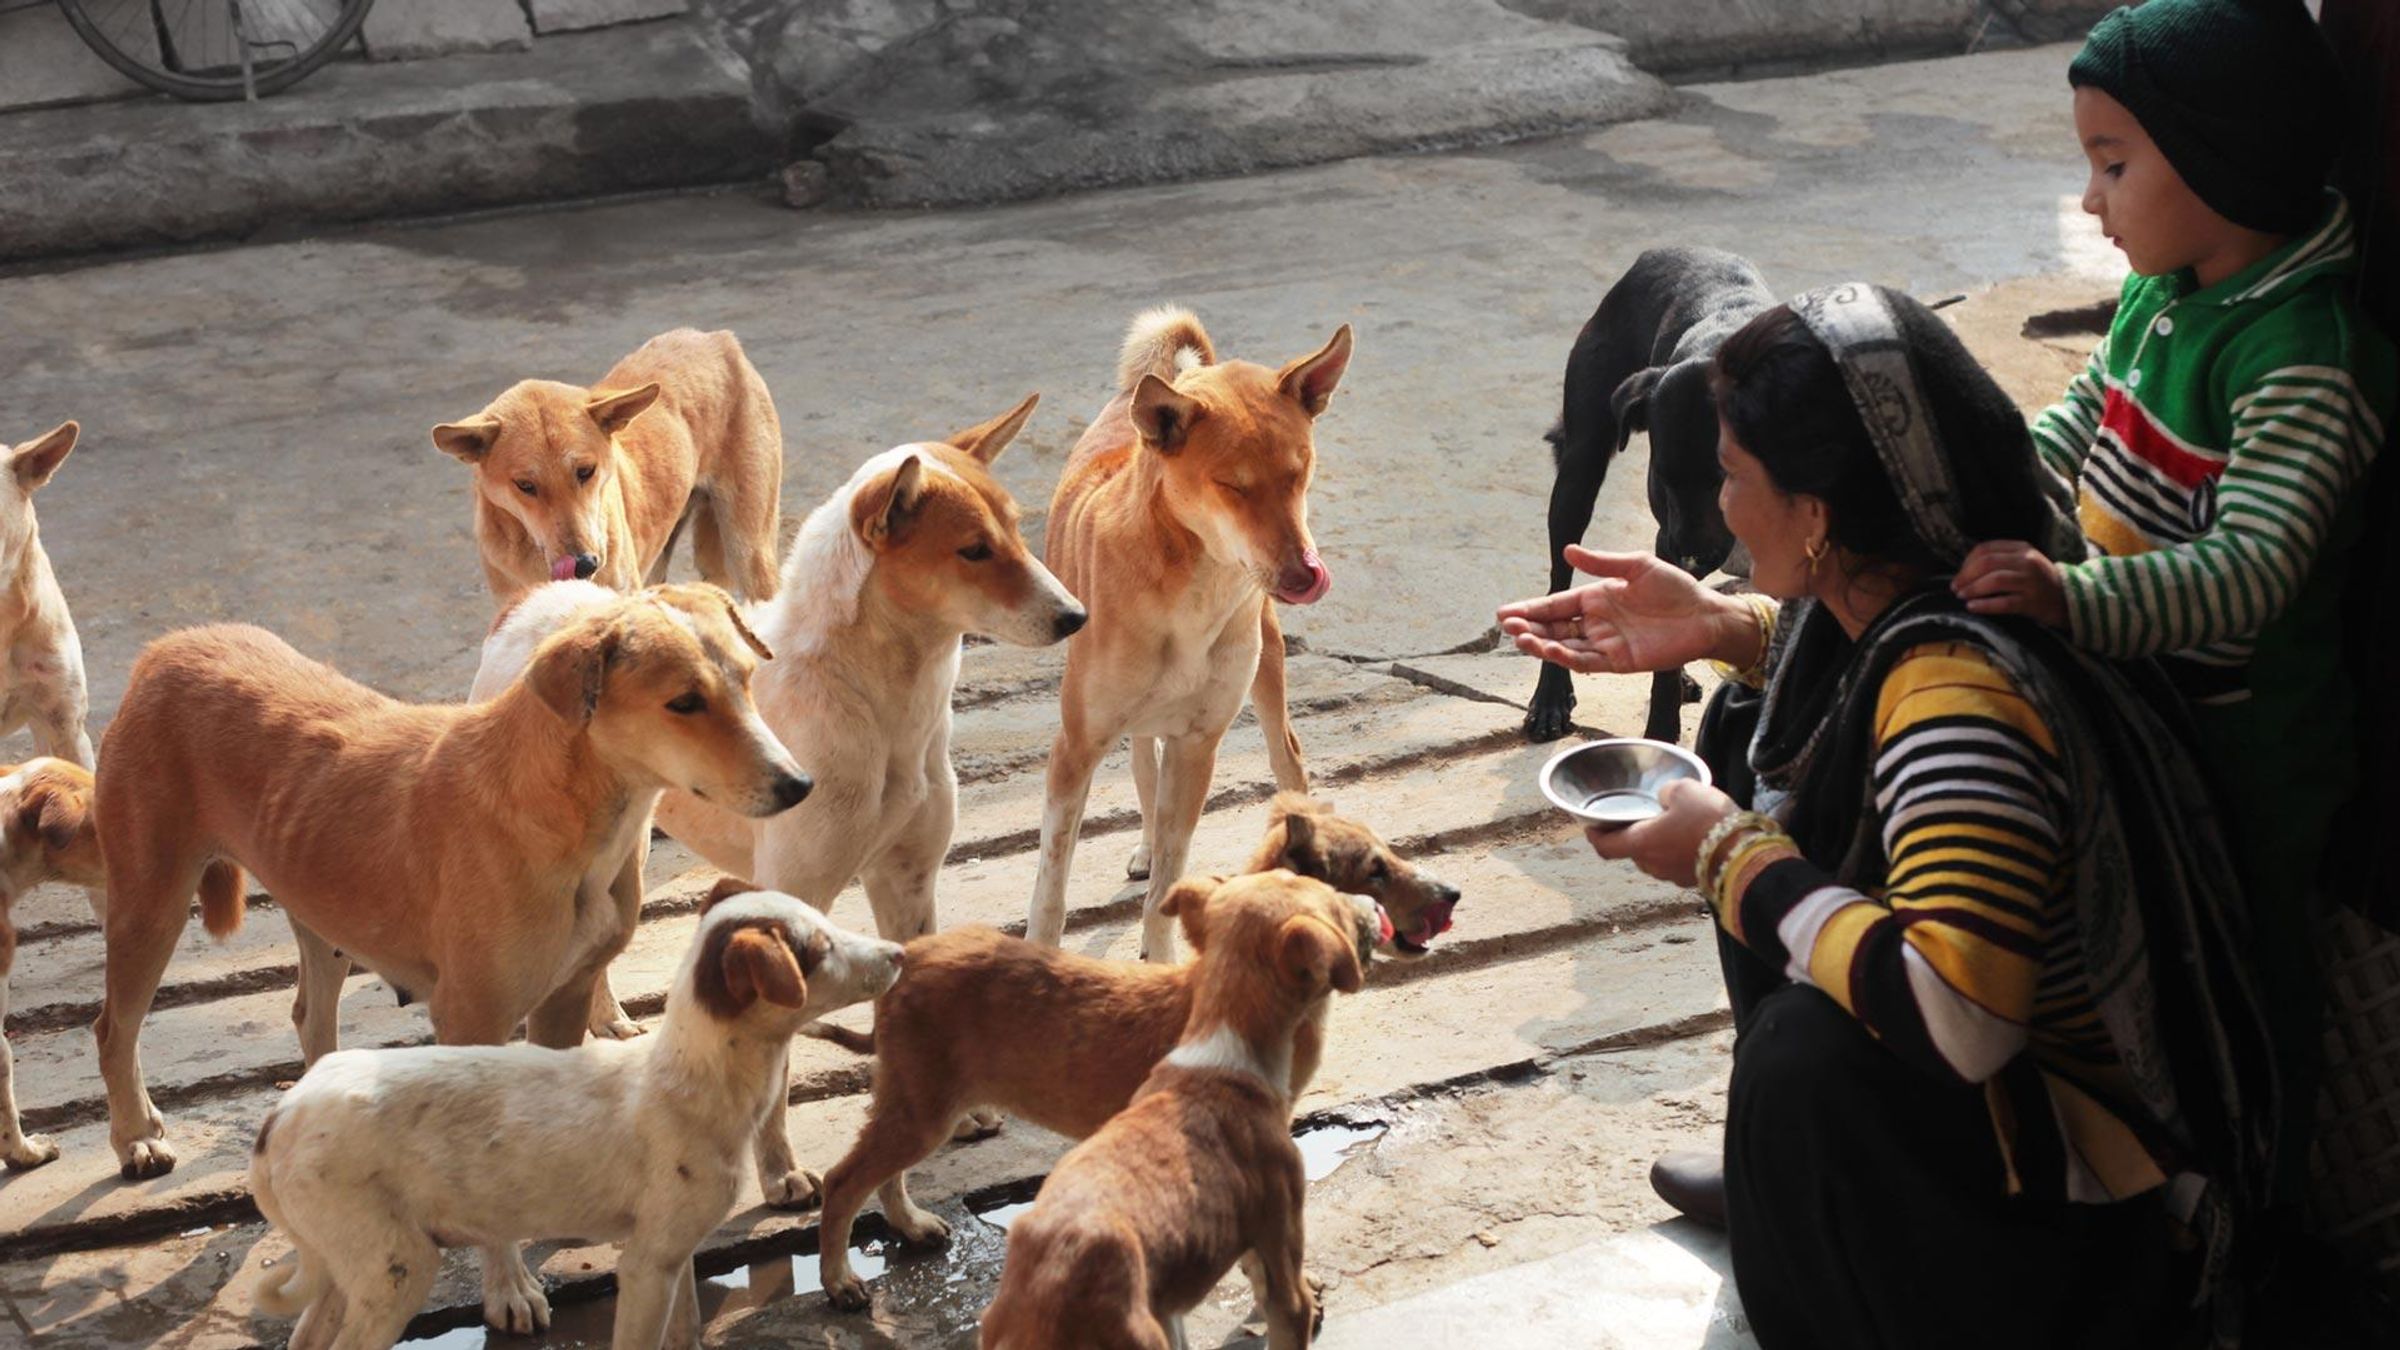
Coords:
pixel 1694 1183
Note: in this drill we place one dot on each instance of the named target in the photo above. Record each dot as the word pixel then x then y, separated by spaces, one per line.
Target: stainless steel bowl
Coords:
pixel 1612 784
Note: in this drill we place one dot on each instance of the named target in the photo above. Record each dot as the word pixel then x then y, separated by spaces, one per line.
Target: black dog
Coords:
pixel 1642 363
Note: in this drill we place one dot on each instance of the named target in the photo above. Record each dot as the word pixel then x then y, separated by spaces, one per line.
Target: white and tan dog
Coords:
pixel 1138 1223
pixel 41 684
pixel 599 482
pixel 1182 514
pixel 919 548
pixel 46 834
pixel 378 1158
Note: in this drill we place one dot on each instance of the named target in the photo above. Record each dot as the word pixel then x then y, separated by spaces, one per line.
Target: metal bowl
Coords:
pixel 1612 784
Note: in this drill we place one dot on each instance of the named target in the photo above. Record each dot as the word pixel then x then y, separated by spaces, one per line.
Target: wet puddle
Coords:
pixel 1324 1148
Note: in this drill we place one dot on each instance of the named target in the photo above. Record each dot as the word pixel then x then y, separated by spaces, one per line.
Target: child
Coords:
pixel 2217 442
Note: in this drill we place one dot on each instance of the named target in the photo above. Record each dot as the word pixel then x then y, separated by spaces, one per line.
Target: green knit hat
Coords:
pixel 2242 96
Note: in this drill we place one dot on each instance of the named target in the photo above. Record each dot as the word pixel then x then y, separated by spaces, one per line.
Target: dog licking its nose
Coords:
pixel 1304 582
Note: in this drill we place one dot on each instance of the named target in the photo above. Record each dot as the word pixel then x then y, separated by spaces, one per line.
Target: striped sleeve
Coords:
pixel 1945 965
pixel 2064 432
pixel 2303 436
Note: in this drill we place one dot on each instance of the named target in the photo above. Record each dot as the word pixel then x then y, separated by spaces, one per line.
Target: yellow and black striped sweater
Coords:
pixel 1969 955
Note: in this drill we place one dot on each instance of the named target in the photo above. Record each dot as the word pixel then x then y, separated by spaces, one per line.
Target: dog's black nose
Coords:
pixel 1071 623
pixel 1445 893
pixel 585 565
pixel 790 789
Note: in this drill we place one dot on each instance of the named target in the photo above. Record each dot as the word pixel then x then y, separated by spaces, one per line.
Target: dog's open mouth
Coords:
pixel 1432 922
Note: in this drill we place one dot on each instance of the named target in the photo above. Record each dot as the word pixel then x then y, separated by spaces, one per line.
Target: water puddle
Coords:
pixel 1324 1148
pixel 1001 1216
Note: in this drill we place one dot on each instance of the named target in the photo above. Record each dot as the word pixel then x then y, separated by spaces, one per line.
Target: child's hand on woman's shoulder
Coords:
pixel 2010 576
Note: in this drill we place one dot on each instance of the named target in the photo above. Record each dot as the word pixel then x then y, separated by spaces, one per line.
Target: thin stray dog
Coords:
pixel 597 483
pixel 41 686
pixel 1063 1040
pixel 459 851
pixel 46 834
pixel 1640 362
pixel 919 548
pixel 1182 512
pixel 1138 1223
pixel 378 1158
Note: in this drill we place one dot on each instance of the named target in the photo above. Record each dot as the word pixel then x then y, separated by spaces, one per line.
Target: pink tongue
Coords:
pixel 1320 581
pixel 563 569
pixel 1383 925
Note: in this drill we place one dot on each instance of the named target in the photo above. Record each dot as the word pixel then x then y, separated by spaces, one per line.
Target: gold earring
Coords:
pixel 1816 551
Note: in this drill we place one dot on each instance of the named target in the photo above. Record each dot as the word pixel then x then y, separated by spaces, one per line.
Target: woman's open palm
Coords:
pixel 1642 614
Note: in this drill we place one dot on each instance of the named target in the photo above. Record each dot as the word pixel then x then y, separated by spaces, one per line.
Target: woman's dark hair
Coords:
pixel 1781 395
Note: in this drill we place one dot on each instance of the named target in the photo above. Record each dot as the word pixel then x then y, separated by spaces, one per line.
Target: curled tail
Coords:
pixel 1163 342
pixel 856 1042
pixel 221 900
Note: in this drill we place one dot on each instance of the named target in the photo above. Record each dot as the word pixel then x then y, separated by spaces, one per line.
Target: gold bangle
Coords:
pixel 1716 838
pixel 1738 861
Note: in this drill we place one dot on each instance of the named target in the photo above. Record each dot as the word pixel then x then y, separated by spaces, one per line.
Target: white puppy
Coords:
pixel 41 683
pixel 377 1158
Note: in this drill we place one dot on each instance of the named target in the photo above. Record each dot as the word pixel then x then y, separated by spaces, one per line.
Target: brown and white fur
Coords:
pixel 1063 1040
pixel 46 834
pixel 452 849
pixel 1182 512
pixel 41 683
pixel 1139 1222
pixel 378 1158
pixel 597 483
pixel 919 548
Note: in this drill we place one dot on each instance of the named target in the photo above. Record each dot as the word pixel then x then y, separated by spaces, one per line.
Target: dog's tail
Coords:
pixel 1630 404
pixel 221 900
pixel 284 1291
pixel 856 1042
pixel 1164 342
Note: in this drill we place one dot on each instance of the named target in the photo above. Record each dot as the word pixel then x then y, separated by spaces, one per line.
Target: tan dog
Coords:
pixel 920 547
pixel 1138 1223
pixel 452 849
pixel 1182 510
pixel 987 1020
pixel 41 685
pixel 597 483
pixel 46 834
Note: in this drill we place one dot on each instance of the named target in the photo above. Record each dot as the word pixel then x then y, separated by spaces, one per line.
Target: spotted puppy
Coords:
pixel 376 1159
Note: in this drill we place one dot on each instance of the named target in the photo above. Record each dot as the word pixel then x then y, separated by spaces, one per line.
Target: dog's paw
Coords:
pixel 1316 1302
pixel 513 1302
pixel 1691 688
pixel 980 1123
pixel 144 1158
pixel 28 1152
pixel 621 1028
pixel 1137 867
pixel 920 1229
pixel 796 1189
pixel 847 1294
pixel 1547 719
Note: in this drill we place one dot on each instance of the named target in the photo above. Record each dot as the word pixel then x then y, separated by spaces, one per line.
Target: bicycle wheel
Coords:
pixel 197 49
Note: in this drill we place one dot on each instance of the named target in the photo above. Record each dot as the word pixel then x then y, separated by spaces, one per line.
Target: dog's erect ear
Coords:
pixel 985 440
pixel 1188 902
pixel 37 459
pixel 469 440
pixel 1312 957
pixel 1309 381
pixel 725 889
pixel 1162 417
pixel 883 507
pixel 613 408
pixel 570 670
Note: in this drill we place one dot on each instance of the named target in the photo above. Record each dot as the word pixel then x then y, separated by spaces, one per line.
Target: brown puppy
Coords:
pixel 597 483
pixel 444 847
pixel 987 1020
pixel 1182 511
pixel 46 834
pixel 1138 1223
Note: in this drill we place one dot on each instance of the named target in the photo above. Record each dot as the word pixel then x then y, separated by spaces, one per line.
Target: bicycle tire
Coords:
pixel 270 79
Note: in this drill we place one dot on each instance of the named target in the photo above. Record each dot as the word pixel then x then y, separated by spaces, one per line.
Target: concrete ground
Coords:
pixel 255 448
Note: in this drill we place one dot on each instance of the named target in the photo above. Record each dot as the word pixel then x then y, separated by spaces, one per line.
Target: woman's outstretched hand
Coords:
pixel 1642 614
pixel 1663 846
